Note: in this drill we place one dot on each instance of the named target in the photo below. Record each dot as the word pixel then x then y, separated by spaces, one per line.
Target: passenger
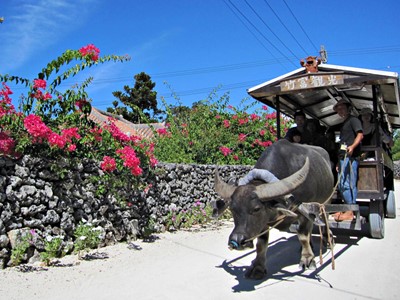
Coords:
pixel 301 121
pixel 351 134
pixel 296 136
pixel 318 138
pixel 369 130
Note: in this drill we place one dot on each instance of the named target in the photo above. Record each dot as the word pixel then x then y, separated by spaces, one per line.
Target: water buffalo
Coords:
pixel 304 172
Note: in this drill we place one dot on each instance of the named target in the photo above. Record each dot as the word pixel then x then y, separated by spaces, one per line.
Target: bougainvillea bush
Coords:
pixel 214 132
pixel 54 124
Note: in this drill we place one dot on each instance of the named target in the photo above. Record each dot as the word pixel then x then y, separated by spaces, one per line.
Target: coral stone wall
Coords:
pixel 52 197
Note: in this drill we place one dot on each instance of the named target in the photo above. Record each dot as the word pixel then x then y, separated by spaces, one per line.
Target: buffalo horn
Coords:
pixel 285 186
pixel 223 189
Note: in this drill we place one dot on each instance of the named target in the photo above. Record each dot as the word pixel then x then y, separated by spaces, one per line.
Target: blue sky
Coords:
pixel 195 46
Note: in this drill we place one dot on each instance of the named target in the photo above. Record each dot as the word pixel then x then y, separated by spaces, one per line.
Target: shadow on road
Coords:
pixel 283 253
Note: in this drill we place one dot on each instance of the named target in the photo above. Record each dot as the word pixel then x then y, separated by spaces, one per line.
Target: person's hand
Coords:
pixel 350 150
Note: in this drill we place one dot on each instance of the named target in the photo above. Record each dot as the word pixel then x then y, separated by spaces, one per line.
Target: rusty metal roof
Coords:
pixel 317 93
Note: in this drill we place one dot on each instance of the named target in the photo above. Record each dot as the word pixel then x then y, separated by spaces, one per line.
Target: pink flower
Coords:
pixel 131 161
pixel 235 157
pixel 226 123
pixel 57 140
pixel 90 51
pixel 262 132
pixel 7 144
pixel 266 143
pixel 47 96
pixel 153 161
pixel 218 117
pixel 97 131
pixel 37 95
pixel 162 132
pixel 108 164
pixel 242 137
pixel 225 150
pixel 243 121
pixel 39 84
pixel 254 117
pixel 71 147
pixel 70 133
pixel 262 144
pixel 116 133
pixel 264 107
pixel 6 106
pixel 147 188
pixel 35 126
pixel 271 116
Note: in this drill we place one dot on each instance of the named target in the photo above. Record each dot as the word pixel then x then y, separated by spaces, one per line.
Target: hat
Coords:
pixel 366 110
pixel 340 102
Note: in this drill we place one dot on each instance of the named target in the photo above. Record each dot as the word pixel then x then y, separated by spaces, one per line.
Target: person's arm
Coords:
pixel 357 141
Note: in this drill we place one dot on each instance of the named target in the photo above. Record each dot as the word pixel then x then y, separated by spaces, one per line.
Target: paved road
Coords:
pixel 198 265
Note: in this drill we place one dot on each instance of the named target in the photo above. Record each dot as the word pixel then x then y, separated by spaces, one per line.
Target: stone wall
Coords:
pixel 53 197
pixel 396 169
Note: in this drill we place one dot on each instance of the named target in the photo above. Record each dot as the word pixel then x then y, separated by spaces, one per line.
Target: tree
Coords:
pixel 140 102
pixel 396 146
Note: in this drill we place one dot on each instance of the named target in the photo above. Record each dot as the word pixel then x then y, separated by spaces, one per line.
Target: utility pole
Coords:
pixel 323 54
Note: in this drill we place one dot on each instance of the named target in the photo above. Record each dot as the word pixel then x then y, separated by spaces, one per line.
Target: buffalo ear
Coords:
pixel 286 212
pixel 218 207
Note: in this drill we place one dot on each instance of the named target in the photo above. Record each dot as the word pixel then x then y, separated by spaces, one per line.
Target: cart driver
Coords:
pixel 351 134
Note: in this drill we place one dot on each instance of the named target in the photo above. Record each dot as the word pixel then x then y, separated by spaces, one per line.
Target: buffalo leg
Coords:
pixel 307 254
pixel 258 268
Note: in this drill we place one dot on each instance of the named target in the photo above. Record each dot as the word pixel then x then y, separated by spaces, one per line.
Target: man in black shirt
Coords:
pixel 351 135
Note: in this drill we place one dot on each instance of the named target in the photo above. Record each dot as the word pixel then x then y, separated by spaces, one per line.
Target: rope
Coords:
pixel 330 240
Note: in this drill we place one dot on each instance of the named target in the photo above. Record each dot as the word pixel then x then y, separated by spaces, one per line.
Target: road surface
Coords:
pixel 199 265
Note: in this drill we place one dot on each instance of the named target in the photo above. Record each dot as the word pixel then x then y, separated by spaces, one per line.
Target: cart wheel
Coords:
pixel 376 219
pixel 390 205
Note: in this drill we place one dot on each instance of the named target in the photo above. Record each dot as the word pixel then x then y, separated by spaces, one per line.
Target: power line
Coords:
pixel 255 27
pixel 247 27
pixel 316 50
pixel 227 87
pixel 266 25
pixel 253 64
pixel 287 29
pixel 375 50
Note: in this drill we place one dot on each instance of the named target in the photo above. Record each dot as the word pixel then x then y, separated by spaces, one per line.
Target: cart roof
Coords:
pixel 317 93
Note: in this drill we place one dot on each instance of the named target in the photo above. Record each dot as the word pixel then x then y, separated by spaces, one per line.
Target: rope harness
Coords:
pixel 322 211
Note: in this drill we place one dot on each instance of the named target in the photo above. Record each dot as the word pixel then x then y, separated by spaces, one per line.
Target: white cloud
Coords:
pixel 36 25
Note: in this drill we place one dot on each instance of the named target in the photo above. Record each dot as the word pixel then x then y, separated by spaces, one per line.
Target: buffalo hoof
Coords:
pixel 256 272
pixel 307 264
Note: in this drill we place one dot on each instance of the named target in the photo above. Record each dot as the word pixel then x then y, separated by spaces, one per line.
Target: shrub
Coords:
pixel 213 132
pixel 87 237
pixel 56 124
